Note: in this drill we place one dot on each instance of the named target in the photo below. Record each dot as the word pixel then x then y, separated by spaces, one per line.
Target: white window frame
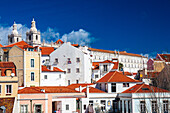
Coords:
pixel 33 63
pixel 26 107
pixel 6 88
pixel 31 77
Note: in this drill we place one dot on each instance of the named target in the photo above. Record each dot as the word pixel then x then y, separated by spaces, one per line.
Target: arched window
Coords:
pixel 30 37
pixel 36 37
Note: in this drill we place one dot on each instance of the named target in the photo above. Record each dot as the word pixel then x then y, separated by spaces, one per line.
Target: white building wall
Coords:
pixel 67 51
pixel 53 79
pixel 44 59
pixel 67 101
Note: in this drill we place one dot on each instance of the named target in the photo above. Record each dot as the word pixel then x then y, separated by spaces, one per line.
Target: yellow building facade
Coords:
pixel 28 65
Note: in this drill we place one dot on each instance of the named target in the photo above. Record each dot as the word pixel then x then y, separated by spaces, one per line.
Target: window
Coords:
pixel 113 87
pixel 142 107
pixel 32 76
pixel 68 70
pixel 38 109
pixel 77 70
pixel 32 62
pixel 30 37
pixel 24 108
pixel 77 59
pixel 100 86
pixel 84 106
pixel 125 84
pixel 68 82
pixel 165 106
pixel 105 67
pixel 129 106
pixel 154 107
pixel 59 75
pixel 56 60
pixel 36 37
pixel 77 81
pixel 17 39
pixel 91 102
pixel 96 76
pixel 11 40
pixel 45 76
pixel 67 107
pixel 103 103
pixel 8 89
pixel 68 61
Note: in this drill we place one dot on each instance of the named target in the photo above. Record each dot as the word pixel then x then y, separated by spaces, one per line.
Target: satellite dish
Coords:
pixel 12 74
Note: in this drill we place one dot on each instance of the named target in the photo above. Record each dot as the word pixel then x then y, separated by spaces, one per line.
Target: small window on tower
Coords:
pixel 30 37
pixel 17 39
pixel 36 37
pixel 11 40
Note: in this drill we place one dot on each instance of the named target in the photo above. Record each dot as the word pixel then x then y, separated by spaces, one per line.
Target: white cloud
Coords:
pixel 50 35
pixel 81 37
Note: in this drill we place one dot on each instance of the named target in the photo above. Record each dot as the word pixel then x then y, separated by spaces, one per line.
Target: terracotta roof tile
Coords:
pixel 116 65
pixel 75 45
pixel 46 50
pixel 48 89
pixel 55 69
pixel 59 41
pixel 113 52
pixel 143 88
pixel 21 44
pixel 1 45
pixel 165 57
pixel 116 76
pixel 7 65
pixel 93 90
pixel 73 86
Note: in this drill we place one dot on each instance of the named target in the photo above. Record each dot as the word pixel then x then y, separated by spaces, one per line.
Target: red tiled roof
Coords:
pixel 165 57
pixel 116 65
pixel 143 88
pixel 73 86
pixel 59 41
pixel 55 69
pixel 76 45
pixel 1 45
pixel 8 103
pixel 116 76
pixel 121 52
pixel 7 65
pixel 48 89
pixel 126 73
pixel 21 44
pixel 46 50
pixel 93 90
pixel 95 65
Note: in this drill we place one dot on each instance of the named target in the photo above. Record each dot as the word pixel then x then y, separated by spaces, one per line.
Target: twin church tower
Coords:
pixel 33 36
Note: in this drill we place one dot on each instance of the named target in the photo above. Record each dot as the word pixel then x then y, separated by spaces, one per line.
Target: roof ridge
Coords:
pixel 139 88
pixel 112 76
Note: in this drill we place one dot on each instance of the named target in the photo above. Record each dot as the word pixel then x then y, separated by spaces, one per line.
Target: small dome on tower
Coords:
pixel 33 27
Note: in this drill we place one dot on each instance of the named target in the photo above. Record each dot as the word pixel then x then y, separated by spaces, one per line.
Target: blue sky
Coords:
pixel 137 26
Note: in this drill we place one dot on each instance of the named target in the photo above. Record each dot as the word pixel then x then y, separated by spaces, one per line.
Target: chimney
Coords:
pixel 80 88
pixel 43 90
pixel 87 91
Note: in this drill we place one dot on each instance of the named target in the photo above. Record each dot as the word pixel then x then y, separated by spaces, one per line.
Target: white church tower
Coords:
pixel 33 36
pixel 14 36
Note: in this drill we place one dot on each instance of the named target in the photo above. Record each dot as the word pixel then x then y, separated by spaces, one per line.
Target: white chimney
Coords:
pixel 43 90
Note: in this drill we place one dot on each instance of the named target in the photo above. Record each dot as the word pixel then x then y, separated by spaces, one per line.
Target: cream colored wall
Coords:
pixel 16 55
pixel 36 69
pixel 14 86
pixel 158 66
